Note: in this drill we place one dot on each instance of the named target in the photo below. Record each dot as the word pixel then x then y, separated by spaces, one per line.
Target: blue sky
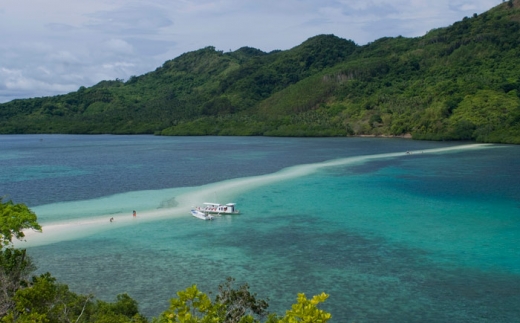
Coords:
pixel 55 46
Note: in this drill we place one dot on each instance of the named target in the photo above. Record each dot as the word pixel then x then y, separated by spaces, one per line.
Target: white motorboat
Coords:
pixel 219 209
pixel 201 215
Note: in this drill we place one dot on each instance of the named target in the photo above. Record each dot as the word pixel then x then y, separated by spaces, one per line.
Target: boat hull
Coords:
pixel 201 215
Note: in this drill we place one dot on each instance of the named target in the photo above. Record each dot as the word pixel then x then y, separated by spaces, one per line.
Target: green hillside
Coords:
pixel 461 82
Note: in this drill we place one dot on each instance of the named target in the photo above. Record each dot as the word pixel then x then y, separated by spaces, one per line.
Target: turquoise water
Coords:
pixel 432 236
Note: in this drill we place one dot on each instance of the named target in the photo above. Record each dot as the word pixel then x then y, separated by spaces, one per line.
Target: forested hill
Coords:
pixel 458 82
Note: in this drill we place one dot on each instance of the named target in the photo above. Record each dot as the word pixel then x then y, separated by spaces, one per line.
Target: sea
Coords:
pixel 393 230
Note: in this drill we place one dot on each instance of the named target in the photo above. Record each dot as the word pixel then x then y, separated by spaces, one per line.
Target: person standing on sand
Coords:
pixel 135 214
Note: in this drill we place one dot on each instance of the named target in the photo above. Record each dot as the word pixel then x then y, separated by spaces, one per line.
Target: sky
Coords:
pixel 51 47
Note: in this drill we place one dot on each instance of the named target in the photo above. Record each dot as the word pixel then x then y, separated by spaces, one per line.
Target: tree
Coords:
pixel 194 306
pixel 46 300
pixel 15 265
pixel 305 311
pixel 191 306
pixel 239 302
pixel 14 218
pixel 15 268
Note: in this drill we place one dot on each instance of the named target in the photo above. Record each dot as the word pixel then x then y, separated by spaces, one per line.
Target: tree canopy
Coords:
pixel 14 218
pixel 194 306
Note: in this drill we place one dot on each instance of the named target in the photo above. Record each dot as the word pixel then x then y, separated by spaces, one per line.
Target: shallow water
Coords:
pixel 430 236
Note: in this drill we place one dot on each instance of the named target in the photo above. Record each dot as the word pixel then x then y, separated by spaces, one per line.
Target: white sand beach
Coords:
pixel 98 218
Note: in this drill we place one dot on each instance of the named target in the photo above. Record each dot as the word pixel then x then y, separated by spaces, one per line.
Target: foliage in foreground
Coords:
pixel 194 306
pixel 41 299
pixel 46 300
pixel 14 218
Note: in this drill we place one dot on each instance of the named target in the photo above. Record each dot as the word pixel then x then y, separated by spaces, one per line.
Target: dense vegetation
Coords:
pixel 41 299
pixel 461 82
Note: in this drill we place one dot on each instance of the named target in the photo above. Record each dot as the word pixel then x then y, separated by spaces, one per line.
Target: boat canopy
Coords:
pixel 218 204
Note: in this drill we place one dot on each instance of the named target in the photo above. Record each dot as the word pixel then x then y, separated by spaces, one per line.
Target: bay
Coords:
pixel 432 235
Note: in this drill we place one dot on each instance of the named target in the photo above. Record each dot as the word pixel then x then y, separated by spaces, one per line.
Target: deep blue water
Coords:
pixel 432 236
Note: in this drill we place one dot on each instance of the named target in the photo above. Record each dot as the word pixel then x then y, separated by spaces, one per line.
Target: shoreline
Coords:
pixel 403 136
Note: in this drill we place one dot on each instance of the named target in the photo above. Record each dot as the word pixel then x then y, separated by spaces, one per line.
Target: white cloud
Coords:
pixel 130 18
pixel 119 46
pixel 51 47
pixel 63 57
pixel 14 82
